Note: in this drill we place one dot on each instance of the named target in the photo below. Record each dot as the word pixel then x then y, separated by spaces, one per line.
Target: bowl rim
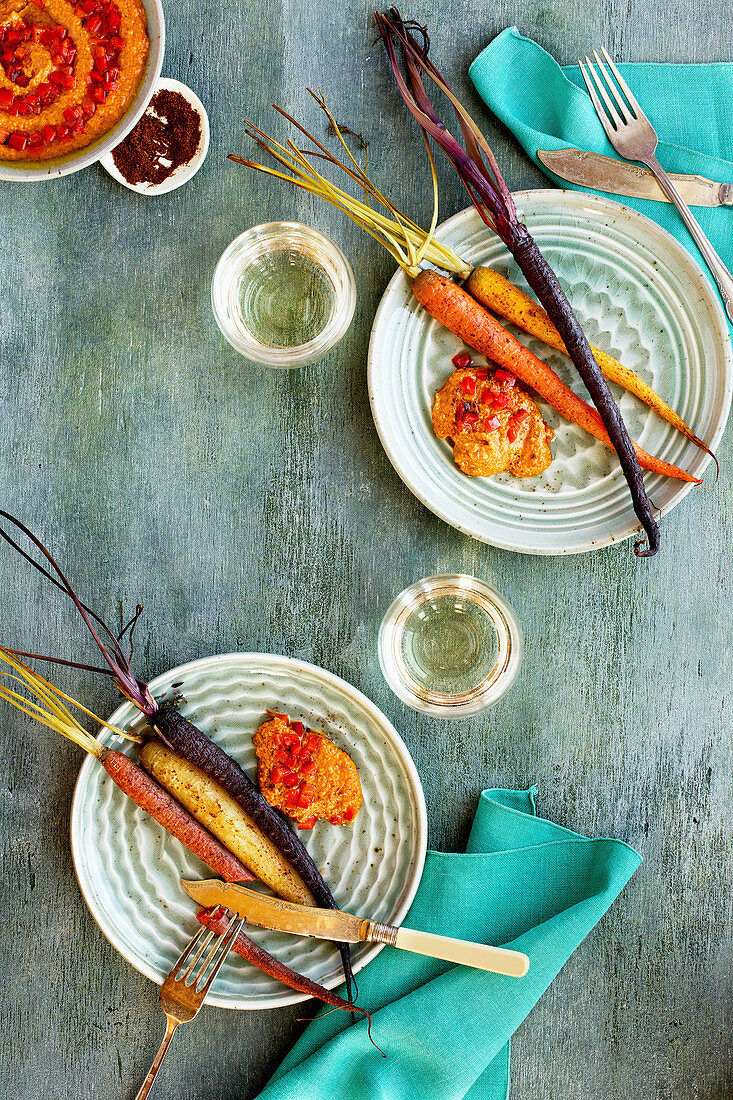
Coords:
pixel 90 154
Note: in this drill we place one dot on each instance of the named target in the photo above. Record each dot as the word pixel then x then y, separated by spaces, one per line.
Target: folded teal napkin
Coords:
pixel 523 882
pixel 547 107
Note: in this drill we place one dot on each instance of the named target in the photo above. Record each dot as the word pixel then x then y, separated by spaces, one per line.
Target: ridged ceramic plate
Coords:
pixel 128 866
pixel 640 297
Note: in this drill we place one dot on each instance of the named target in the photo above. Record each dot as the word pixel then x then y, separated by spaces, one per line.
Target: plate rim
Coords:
pixel 385 726
pixel 722 338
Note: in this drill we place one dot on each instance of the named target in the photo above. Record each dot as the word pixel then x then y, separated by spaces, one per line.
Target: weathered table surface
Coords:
pixel 254 509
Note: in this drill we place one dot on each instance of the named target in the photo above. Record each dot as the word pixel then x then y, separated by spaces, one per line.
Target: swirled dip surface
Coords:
pixel 68 72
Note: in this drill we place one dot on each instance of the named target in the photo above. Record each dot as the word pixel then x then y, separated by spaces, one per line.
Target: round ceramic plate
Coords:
pixel 640 297
pixel 129 868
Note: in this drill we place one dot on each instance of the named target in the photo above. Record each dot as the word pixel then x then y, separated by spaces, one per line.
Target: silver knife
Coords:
pixel 633 181
pixel 263 911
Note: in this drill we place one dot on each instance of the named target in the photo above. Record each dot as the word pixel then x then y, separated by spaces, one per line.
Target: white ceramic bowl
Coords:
pixel 183 173
pixel 82 158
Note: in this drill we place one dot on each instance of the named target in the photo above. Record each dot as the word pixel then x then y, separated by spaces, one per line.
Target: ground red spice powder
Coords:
pixel 166 137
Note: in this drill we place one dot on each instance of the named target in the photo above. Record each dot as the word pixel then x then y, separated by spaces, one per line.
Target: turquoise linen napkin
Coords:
pixel 523 882
pixel 547 107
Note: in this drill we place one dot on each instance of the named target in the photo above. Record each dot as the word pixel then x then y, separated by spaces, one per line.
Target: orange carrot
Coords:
pixel 497 293
pixel 458 311
pixel 145 792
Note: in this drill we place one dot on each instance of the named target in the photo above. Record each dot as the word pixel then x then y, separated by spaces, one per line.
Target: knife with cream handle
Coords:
pixel 264 911
pixel 619 178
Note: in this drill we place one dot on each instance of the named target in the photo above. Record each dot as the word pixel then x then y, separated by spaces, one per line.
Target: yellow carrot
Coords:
pixel 463 315
pixel 492 290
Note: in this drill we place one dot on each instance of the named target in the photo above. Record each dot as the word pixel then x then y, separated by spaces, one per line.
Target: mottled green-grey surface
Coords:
pixel 254 509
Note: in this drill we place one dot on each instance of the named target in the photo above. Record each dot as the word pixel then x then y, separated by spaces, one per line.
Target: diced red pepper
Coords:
pixel 312 742
pixel 308 823
pixel 297 727
pixel 98 94
pixel 18 141
pixel 521 414
pixel 71 114
pixel 291 739
pixel 278 773
pixel 505 378
pixel 461 360
pixel 117 43
pixel 471 418
pixel 306 796
pixel 290 779
pixel 35 140
pixel 499 400
pixel 93 24
pixel 291 799
pixel 491 423
pixel 63 131
pixel 308 766
pixel 6 98
pixel 68 82
pixel 49 134
pixel 337 819
pixel 481 372
pixel 276 714
pixel 349 813
pixel 511 433
pixel 468 385
pixel 4 135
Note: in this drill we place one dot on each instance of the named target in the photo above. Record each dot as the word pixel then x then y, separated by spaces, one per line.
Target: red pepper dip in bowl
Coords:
pixel 71 74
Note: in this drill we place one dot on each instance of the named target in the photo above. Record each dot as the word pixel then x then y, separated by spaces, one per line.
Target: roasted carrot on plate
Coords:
pixel 497 293
pixel 454 307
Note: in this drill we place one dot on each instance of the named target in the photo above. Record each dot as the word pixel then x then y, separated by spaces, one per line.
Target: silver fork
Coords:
pixel 633 136
pixel 185 989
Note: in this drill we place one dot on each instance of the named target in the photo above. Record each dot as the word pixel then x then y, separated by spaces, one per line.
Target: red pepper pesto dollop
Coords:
pixel 301 772
pixel 493 422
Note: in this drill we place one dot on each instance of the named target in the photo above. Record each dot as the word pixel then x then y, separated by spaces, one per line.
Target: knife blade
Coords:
pixel 264 911
pixel 620 178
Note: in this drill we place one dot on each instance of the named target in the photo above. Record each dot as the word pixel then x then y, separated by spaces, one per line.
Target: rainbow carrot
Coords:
pixel 458 311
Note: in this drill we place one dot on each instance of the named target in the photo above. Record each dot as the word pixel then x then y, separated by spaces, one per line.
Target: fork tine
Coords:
pixel 611 83
pixel 188 949
pixel 603 117
pixel 600 84
pixel 624 86
pixel 205 941
pixel 224 945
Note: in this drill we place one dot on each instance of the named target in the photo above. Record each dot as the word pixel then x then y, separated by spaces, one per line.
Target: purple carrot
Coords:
pixel 215 919
pixel 479 172
pixel 181 735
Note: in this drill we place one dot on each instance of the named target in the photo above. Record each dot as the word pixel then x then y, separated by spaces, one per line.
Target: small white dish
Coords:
pixel 183 173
